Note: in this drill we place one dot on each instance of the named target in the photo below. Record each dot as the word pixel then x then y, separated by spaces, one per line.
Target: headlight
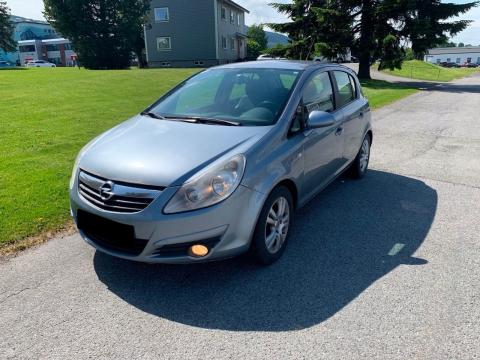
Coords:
pixel 209 187
pixel 74 171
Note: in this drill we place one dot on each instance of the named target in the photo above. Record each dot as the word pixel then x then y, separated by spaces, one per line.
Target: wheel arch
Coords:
pixel 292 187
pixel 370 135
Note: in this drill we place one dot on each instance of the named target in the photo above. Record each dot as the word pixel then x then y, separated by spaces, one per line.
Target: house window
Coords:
pixel 27 48
pixel 164 43
pixel 478 60
pixel 162 14
pixel 232 17
pixel 239 19
pixel 224 42
pixel 52 47
pixel 449 60
pixel 232 44
pixel 224 13
pixel 469 60
pixel 458 60
pixel 438 61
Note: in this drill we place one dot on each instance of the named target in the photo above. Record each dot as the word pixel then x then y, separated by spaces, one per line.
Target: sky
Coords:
pixel 260 12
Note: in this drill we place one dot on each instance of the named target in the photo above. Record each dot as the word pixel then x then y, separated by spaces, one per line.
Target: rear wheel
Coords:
pixel 273 225
pixel 360 164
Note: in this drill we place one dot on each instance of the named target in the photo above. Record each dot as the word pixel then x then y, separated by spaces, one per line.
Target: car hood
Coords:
pixel 156 152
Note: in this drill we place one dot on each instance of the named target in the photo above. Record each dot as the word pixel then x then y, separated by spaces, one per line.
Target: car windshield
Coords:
pixel 250 97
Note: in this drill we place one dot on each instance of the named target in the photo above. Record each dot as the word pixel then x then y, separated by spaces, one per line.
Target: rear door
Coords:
pixel 354 108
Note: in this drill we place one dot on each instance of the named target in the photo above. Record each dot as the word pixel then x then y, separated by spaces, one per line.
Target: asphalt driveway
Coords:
pixel 384 268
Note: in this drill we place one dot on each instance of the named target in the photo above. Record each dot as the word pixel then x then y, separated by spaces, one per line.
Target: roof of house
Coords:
pixel 454 50
pixel 18 19
pixel 233 3
pixel 44 41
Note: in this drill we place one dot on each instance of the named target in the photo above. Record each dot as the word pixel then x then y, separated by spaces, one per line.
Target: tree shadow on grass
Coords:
pixel 343 241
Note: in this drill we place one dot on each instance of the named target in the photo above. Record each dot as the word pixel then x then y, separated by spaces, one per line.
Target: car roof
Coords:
pixel 280 64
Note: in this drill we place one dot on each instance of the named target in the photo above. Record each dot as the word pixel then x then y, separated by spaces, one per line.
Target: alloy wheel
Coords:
pixel 276 227
pixel 364 155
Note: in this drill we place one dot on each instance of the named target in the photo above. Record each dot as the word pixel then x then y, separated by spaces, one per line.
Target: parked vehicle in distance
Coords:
pixel 218 165
pixel 40 63
pixel 268 57
pixel 449 65
pixel 339 59
pixel 6 65
pixel 470 65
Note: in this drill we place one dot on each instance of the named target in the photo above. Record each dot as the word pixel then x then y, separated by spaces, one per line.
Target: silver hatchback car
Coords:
pixel 218 165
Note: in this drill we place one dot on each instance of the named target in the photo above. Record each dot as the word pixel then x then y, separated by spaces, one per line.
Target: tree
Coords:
pixel 461 44
pixel 447 43
pixel 427 25
pixel 7 43
pixel 103 33
pixel 257 33
pixel 253 49
pixel 318 26
pixel 375 30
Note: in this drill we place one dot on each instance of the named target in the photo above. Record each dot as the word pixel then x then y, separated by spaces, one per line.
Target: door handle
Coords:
pixel 339 131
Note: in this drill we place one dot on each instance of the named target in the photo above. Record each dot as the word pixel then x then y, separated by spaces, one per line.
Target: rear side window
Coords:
pixel 318 94
pixel 347 91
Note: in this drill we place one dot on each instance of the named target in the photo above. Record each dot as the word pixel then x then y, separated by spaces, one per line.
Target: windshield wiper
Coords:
pixel 205 120
pixel 152 115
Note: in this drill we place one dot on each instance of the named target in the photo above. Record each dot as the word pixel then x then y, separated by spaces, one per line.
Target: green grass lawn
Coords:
pixel 46 117
pixel 381 93
pixel 422 70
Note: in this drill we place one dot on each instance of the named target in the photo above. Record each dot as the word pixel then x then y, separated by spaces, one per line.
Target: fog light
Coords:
pixel 198 251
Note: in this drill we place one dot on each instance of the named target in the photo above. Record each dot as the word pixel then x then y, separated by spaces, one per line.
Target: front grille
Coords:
pixel 115 196
pixel 110 234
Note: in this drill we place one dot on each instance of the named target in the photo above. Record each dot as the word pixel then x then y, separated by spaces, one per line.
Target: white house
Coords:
pixel 459 55
pixel 57 51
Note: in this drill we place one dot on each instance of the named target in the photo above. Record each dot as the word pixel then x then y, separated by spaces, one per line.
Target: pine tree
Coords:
pixel 103 33
pixel 426 24
pixel 376 30
pixel 7 43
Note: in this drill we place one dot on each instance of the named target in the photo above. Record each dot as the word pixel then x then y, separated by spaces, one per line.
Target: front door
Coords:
pixel 323 148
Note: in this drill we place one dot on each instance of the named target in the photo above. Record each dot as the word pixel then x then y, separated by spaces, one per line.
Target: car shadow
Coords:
pixel 343 241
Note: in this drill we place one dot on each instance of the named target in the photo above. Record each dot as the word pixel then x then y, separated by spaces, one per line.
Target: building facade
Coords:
pixel 57 51
pixel 459 55
pixel 185 33
pixel 27 29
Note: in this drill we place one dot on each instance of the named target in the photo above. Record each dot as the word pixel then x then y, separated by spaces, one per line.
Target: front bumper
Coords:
pixel 228 226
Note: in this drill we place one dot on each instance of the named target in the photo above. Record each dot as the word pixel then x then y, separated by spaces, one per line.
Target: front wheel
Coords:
pixel 272 229
pixel 360 164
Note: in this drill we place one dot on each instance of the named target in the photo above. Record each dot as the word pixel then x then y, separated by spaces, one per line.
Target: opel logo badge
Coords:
pixel 106 191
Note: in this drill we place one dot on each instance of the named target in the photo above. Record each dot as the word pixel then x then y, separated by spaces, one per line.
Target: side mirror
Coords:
pixel 320 119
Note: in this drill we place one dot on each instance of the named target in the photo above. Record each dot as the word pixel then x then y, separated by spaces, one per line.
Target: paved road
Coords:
pixel 385 268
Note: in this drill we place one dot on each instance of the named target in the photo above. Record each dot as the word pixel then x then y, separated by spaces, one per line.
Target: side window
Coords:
pixel 346 88
pixel 318 94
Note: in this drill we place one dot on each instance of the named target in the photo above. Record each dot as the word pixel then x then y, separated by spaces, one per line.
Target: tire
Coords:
pixel 359 167
pixel 270 238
